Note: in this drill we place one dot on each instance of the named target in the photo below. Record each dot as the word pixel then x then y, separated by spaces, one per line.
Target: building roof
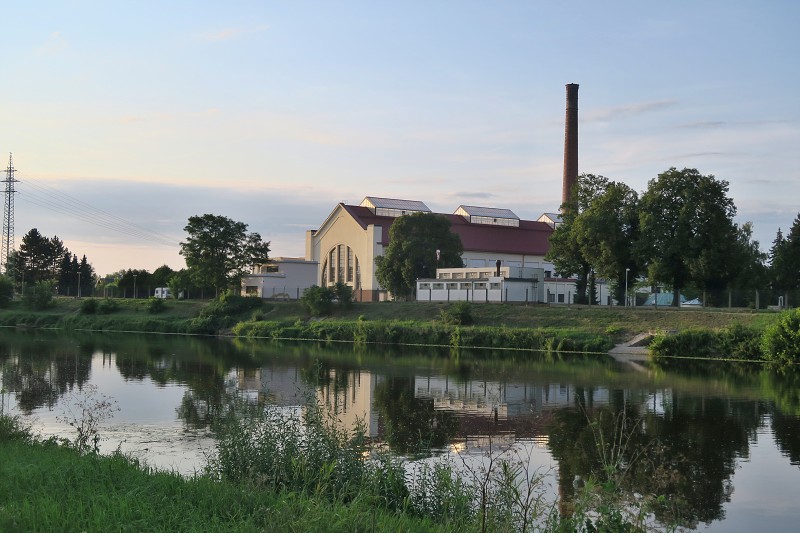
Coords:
pixel 529 238
pixel 493 212
pixel 392 203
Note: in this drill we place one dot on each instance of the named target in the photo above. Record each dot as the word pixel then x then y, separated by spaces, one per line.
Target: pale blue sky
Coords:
pixel 271 112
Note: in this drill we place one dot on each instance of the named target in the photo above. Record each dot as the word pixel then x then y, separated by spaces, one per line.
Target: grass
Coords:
pixel 53 488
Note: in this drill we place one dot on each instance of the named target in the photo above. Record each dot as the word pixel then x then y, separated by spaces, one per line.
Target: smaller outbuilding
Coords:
pixel 283 278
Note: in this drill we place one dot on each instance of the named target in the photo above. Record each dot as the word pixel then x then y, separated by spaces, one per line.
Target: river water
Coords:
pixel 721 441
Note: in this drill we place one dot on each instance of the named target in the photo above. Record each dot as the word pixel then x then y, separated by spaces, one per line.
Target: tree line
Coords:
pixel 679 234
pixel 47 260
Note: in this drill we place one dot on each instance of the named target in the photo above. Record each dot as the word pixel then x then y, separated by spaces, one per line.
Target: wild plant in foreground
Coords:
pixel 85 410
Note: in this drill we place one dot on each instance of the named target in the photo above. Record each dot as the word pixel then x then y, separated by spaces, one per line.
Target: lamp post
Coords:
pixel 626 286
pixel 134 286
pixel 79 285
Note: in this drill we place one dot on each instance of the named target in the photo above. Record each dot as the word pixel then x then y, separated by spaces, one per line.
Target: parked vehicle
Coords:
pixel 162 292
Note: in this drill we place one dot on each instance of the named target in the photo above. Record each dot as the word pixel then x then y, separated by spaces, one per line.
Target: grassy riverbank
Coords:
pixel 53 488
pixel 537 327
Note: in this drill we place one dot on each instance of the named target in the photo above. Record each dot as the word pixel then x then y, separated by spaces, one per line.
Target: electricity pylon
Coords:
pixel 8 214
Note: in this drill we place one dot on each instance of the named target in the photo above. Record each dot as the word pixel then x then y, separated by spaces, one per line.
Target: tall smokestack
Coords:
pixel 570 143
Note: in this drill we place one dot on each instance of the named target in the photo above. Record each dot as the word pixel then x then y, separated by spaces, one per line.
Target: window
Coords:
pixel 349 265
pixel 425 286
pixel 445 275
pixel 472 275
pixel 458 275
pixel 438 286
pixel 452 285
pixel 495 286
pixel 251 290
pixel 466 286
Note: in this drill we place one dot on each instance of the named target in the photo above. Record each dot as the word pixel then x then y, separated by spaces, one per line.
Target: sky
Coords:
pixel 126 118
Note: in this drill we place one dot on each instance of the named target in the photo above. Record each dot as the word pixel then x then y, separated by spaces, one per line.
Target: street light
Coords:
pixel 626 286
pixel 134 286
pixel 79 285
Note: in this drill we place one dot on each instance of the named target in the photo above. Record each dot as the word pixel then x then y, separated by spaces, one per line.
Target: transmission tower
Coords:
pixel 8 214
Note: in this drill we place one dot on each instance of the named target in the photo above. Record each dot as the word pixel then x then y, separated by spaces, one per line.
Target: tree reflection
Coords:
pixel 691 449
pixel 411 424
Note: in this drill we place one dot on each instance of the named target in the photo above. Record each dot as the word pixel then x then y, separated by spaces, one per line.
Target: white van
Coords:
pixel 162 292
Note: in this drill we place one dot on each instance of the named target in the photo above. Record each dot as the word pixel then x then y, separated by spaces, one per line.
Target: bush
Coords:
pixel 156 305
pixel 781 341
pixel 6 290
pixel 459 313
pixel 343 294
pixel 89 306
pixel 40 295
pixel 318 301
pixel 106 307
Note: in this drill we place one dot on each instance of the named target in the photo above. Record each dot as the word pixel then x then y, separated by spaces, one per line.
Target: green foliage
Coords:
pixel 411 254
pixel 687 229
pixel 218 250
pixel 781 341
pixel 343 294
pixel 318 301
pixel 89 306
pixel 156 305
pixel 457 313
pixel 6 290
pixel 107 307
pixel 40 295
pixel 13 429
pixel 732 342
pixel 785 259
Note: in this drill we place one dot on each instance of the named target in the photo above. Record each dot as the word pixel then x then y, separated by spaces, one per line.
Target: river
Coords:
pixel 720 441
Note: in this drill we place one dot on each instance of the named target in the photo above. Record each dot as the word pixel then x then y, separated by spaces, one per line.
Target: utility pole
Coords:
pixel 8 214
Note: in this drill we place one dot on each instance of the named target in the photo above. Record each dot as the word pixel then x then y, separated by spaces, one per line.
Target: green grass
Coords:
pixel 52 488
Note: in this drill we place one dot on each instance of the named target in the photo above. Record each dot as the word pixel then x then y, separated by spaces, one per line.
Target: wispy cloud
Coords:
pixel 228 34
pixel 53 44
pixel 625 111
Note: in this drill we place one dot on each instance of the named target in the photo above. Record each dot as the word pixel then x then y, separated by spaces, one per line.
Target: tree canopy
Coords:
pixel 687 229
pixel 414 242
pixel 680 232
pixel 218 250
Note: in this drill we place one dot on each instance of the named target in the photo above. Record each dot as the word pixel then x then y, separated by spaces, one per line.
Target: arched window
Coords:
pixel 341 265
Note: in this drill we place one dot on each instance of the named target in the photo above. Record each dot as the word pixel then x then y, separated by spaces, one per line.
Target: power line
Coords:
pixel 58 201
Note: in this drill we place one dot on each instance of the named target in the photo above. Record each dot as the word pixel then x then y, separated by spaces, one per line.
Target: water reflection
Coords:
pixel 678 431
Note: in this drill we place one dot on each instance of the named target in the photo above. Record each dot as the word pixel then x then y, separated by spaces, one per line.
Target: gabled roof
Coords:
pixel 529 238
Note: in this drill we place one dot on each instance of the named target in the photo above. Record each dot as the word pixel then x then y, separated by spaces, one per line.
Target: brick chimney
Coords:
pixel 570 143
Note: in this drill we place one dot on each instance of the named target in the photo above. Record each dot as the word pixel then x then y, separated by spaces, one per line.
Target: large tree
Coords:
pixel 219 251
pixel 414 242
pixel 566 252
pixel 606 233
pixel 687 229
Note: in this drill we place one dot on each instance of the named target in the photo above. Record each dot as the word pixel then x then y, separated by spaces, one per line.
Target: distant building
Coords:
pixel 281 278
pixel 348 241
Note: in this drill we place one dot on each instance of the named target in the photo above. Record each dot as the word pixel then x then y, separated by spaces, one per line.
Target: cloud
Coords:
pixel 625 111
pixel 228 34
pixel 55 43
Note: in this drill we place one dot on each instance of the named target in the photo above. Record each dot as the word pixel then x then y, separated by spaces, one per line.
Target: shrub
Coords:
pixel 6 290
pixel 781 341
pixel 343 294
pixel 106 307
pixel 457 313
pixel 156 305
pixel 89 306
pixel 318 301
pixel 40 295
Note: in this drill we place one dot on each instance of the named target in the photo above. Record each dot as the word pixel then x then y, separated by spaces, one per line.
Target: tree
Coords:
pixel 219 250
pixel 606 233
pixel 414 242
pixel 686 222
pixel 161 275
pixel 35 255
pixel 566 252
pixel 785 260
